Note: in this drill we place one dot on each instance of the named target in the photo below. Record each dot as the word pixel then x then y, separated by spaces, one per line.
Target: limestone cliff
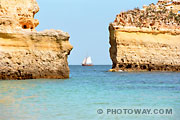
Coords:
pixel 26 53
pixel 141 48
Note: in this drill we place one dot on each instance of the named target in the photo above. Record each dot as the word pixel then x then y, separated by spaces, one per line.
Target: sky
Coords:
pixel 87 23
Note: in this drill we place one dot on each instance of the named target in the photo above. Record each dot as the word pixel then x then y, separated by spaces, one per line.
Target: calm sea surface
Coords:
pixel 90 89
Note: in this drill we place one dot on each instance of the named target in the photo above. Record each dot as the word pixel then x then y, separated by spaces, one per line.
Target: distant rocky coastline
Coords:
pixel 147 39
pixel 26 53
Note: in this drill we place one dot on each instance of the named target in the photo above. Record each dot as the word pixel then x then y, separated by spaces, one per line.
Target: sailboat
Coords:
pixel 87 61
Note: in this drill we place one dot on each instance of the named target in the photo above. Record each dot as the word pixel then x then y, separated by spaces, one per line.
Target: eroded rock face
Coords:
pixel 146 39
pixel 25 53
pixel 16 14
pixel 140 50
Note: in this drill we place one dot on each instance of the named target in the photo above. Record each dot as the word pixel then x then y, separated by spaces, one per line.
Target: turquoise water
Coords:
pixel 90 89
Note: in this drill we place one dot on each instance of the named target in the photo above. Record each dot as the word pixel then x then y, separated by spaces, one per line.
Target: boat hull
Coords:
pixel 87 64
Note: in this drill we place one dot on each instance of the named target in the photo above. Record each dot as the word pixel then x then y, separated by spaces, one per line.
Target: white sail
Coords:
pixel 84 61
pixel 88 60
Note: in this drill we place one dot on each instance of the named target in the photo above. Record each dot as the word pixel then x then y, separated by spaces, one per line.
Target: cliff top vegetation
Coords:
pixel 163 15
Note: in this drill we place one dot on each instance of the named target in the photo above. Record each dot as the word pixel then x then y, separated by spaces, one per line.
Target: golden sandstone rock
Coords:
pixel 136 48
pixel 25 53
pixel 18 14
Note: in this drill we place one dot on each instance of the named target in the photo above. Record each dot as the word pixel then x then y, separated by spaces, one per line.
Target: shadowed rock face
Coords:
pixel 25 53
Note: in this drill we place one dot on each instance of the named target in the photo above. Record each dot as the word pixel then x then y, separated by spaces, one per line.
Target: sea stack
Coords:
pixel 147 39
pixel 26 53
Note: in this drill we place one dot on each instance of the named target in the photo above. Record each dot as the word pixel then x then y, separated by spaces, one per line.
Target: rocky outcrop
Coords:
pixel 18 14
pixel 144 50
pixel 136 48
pixel 26 53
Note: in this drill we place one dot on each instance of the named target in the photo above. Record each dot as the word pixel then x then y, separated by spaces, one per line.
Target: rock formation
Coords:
pixel 26 53
pixel 142 40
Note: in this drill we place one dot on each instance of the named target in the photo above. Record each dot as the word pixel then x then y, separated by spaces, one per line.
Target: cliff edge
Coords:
pixel 26 53
pixel 146 39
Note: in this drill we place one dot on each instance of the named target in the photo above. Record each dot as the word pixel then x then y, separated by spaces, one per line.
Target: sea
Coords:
pixel 93 93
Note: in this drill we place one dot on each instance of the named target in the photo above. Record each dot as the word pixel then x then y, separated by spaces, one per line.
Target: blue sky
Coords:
pixel 87 23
